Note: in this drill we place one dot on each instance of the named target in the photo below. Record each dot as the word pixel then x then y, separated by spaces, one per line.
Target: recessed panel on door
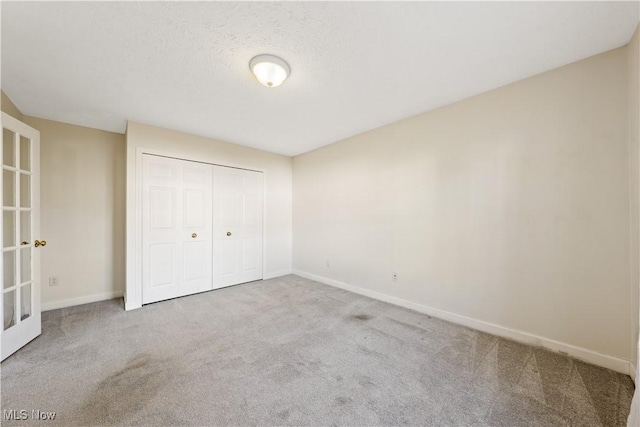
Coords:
pixel 249 254
pixel 162 207
pixel 196 174
pixel 229 208
pixel 195 265
pixel 227 257
pixel 251 211
pixel 159 170
pixel 162 259
pixel 194 208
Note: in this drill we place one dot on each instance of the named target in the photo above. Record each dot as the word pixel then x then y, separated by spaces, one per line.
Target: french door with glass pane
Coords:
pixel 20 264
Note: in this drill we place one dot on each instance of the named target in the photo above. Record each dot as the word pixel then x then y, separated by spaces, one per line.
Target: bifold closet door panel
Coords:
pixel 176 228
pixel 237 226
pixel 197 199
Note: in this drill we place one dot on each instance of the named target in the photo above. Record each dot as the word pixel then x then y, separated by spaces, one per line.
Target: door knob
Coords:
pixel 228 233
pixel 24 243
pixel 194 235
pixel 40 243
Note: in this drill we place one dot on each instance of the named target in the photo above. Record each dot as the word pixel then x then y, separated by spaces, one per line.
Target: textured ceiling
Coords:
pixel 355 65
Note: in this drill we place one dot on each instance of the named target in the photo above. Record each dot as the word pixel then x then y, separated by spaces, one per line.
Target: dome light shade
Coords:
pixel 270 70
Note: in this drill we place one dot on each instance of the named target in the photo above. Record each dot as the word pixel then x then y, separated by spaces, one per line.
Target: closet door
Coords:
pixel 237 226
pixel 176 228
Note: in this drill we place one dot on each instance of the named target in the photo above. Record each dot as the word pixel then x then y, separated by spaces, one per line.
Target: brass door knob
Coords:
pixel 40 243
pixel 194 235
pixel 228 233
pixel 24 243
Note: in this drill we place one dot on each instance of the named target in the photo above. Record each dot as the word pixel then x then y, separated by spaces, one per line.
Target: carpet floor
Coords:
pixel 290 351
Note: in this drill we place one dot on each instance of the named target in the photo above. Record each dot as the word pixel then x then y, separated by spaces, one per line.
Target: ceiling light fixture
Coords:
pixel 270 70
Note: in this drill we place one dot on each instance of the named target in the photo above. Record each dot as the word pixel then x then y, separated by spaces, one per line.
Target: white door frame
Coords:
pixel 133 286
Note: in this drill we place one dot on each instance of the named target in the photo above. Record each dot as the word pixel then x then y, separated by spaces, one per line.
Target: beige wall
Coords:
pixel 633 63
pixel 82 212
pixel 277 168
pixel 9 107
pixel 510 208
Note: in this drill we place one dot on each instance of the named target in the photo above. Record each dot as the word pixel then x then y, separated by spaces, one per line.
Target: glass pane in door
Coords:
pixel 25 191
pixel 25 153
pixel 9 267
pixel 8 148
pixel 25 265
pixel 8 188
pixel 9 309
pixel 8 228
pixel 25 227
pixel 25 301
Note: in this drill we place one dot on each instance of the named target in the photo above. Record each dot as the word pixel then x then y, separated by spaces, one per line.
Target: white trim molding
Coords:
pixel 590 356
pixel 86 299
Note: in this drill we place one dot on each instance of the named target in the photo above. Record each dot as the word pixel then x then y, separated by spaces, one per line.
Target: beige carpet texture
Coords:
pixel 290 351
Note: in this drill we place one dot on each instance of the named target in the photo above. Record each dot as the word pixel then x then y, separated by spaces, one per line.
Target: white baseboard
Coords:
pixel 632 372
pixel 275 274
pixel 86 299
pixel 590 356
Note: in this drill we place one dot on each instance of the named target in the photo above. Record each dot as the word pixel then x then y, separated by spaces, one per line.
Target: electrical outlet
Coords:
pixel 394 277
pixel 327 264
pixel 53 281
